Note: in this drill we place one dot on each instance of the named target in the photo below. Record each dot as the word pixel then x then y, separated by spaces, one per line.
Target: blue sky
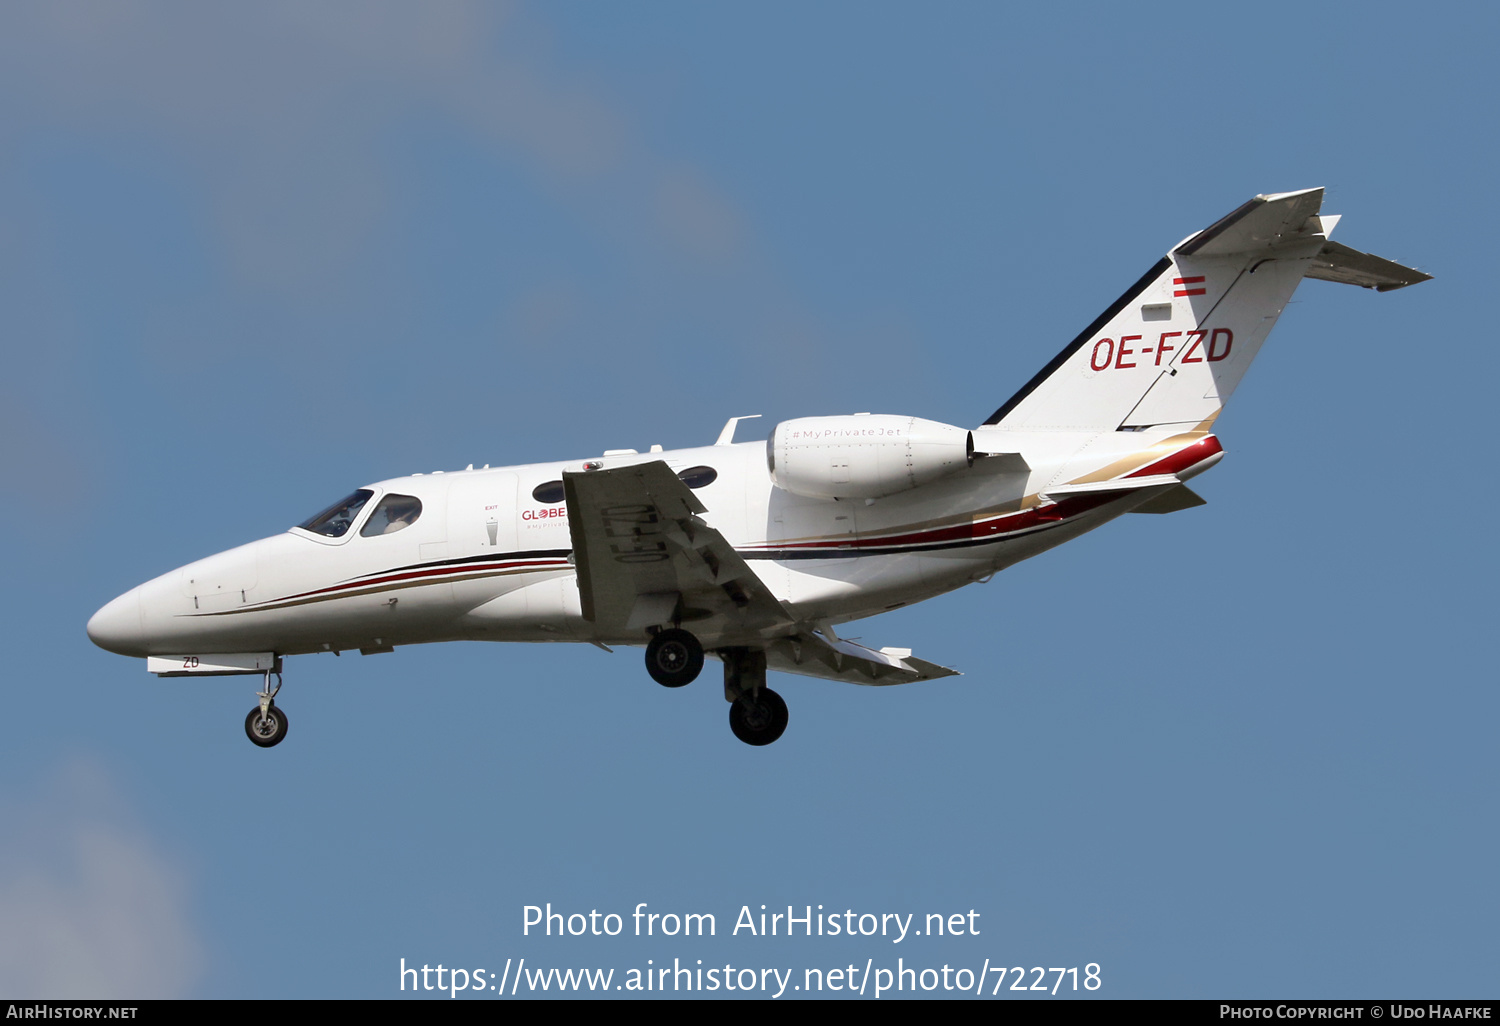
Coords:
pixel 252 256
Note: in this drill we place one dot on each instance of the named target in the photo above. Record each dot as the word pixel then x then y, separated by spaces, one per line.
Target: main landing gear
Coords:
pixel 266 724
pixel 674 658
pixel 758 719
pixel 757 715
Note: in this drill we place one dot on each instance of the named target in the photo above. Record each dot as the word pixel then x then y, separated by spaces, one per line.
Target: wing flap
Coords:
pixel 652 608
pixel 813 655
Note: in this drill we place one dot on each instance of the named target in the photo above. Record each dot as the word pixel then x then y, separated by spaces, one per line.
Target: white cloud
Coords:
pixel 697 216
pixel 281 111
pixel 282 125
pixel 90 907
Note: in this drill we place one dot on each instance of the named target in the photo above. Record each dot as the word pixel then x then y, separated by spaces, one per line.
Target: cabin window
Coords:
pixel 698 477
pixel 395 513
pixel 335 520
pixel 549 492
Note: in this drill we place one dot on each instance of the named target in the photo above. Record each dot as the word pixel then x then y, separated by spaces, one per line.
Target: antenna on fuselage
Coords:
pixel 726 437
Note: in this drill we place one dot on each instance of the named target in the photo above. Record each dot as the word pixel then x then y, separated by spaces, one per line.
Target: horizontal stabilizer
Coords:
pixel 813 655
pixel 1001 463
pixel 1264 222
pixel 1119 484
pixel 1171 500
pixel 1175 345
pixel 1336 262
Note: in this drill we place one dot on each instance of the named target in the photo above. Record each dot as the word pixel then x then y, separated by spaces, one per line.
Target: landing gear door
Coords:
pixel 481 514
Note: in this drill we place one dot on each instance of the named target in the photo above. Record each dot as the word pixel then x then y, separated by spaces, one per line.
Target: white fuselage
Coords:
pixel 485 560
pixel 754 552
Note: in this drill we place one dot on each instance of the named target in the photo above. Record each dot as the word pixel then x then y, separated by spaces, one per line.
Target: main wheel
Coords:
pixel 759 721
pixel 265 730
pixel 673 658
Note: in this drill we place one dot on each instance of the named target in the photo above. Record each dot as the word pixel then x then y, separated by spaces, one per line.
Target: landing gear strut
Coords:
pixel 674 658
pixel 266 725
pixel 757 715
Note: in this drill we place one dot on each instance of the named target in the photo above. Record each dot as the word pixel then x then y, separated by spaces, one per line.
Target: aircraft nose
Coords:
pixel 117 627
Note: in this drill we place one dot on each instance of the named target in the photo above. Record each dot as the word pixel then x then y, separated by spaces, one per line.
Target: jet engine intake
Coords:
pixel 864 456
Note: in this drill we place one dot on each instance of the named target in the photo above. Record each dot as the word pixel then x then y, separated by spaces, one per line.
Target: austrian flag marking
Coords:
pixel 1189 286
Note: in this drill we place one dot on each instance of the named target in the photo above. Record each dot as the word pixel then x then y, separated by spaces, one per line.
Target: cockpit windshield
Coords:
pixel 335 520
pixel 394 513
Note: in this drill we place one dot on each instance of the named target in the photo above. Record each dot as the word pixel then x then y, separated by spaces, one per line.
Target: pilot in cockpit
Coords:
pixel 401 512
pixel 395 513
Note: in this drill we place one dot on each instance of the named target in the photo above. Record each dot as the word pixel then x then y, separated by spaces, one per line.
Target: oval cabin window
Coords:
pixel 549 492
pixel 698 477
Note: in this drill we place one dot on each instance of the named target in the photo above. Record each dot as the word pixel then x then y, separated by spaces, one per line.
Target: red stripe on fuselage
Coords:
pixel 411 575
pixel 995 528
pixel 991 529
pixel 1183 459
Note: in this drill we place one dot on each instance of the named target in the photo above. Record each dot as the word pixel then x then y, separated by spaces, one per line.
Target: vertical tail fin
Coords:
pixel 1173 348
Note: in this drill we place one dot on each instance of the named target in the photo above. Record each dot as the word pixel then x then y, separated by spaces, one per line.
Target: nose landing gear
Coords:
pixel 266 724
pixel 265 728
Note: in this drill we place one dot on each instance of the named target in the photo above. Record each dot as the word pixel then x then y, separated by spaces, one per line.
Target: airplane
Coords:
pixel 755 552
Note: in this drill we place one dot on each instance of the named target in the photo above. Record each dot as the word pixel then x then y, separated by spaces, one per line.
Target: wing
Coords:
pixel 645 559
pixel 814 655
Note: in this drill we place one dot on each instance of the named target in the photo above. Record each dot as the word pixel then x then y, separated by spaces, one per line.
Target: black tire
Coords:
pixel 759 721
pixel 268 731
pixel 674 658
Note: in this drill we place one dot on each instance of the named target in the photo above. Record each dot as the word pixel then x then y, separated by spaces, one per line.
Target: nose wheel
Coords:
pixel 265 726
pixel 674 658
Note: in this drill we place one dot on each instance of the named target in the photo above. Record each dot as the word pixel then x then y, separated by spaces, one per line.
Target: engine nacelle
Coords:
pixel 864 456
